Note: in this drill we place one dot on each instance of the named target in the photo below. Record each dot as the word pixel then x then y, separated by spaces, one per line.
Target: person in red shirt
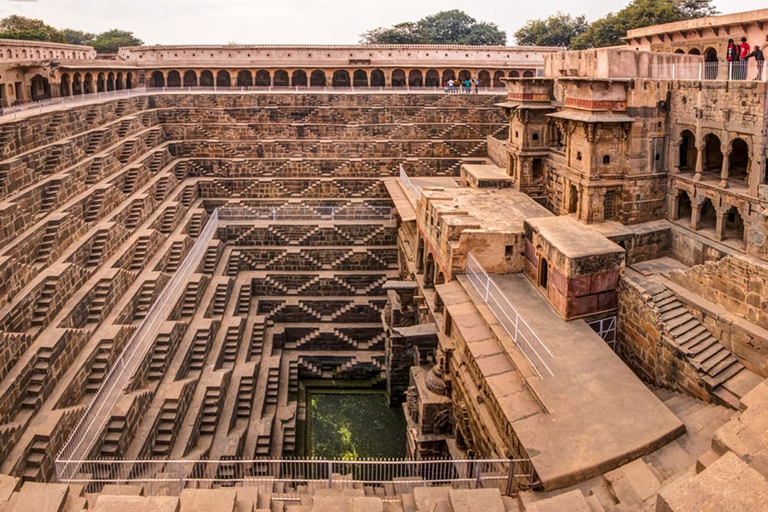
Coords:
pixel 744 51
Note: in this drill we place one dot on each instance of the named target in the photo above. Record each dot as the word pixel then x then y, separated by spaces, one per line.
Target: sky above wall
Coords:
pixel 292 21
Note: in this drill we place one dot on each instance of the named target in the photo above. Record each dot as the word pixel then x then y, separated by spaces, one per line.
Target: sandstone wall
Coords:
pixel 497 151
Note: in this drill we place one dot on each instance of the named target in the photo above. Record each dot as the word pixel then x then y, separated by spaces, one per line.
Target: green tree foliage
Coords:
pixel 447 27
pixel 77 36
pixel 19 27
pixel 609 30
pixel 557 30
pixel 111 40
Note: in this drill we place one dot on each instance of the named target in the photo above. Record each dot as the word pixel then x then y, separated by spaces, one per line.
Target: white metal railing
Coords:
pixel 88 429
pixel 66 101
pixel 306 212
pixel 507 475
pixel 535 351
pixel 414 190
pixel 743 70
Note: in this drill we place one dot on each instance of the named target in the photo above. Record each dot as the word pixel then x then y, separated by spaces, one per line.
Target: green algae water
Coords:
pixel 354 424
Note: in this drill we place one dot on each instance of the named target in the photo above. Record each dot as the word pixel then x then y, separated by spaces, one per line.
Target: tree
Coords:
pixel 612 28
pixel 111 40
pixel 447 27
pixel 402 33
pixel 557 30
pixel 77 36
pixel 19 27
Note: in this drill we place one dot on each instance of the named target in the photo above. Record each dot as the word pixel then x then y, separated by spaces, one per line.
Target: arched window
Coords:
pixel 156 80
pixel 528 74
pixel 190 78
pixel 432 79
pixel 464 75
pixel 317 78
pixel 340 78
pixel 448 74
pixel 119 81
pixel 606 159
pixel 281 78
pixel 263 78
pixel 497 76
pixel 484 78
pixel 206 79
pixel 398 78
pixel 111 81
pixel 360 78
pixel 64 88
pixel 299 78
pixel 223 79
pixel 377 78
pixel 174 79
pixel 245 78
pixel 415 78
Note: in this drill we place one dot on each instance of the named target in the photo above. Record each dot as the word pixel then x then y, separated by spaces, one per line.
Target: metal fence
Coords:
pixel 171 476
pixel 88 430
pixel 414 190
pixel 535 351
pixel 82 99
pixel 743 70
pixel 307 212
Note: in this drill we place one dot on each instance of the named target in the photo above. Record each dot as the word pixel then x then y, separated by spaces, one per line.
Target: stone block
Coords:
pixel 558 280
pixel 579 286
pixel 573 501
pixel 605 281
pixel 580 306
pixel 476 500
pixel 201 500
pixel 136 503
pixel 607 301
pixel 39 497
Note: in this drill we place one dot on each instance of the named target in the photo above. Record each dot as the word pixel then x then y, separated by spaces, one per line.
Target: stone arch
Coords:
pixel 129 80
pixel 340 78
pixel 432 79
pixel 40 88
pixel 440 279
pixel 680 51
pixel 514 74
pixel 713 153
pixel 398 78
pixel 738 160
pixel 111 81
pixel 497 76
pixel 263 78
pixel 360 78
pixel 156 79
pixel 77 84
pixel 174 79
pixel 688 153
pixel 464 75
pixel 64 86
pixel 101 84
pixel 694 51
pixel 684 207
pixel 88 83
pixel 484 78
pixel 119 85
pixel 710 63
pixel 528 74
pixel 223 78
pixel 190 78
pixel 448 74
pixel 206 78
pixel 708 215
pixel 415 78
pixel 9 54
pixel 280 79
pixel 299 78
pixel 317 78
pixel 244 78
pixel 429 271
pixel 377 78
pixel 733 225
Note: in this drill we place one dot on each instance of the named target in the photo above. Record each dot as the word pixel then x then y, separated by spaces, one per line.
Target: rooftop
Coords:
pixel 572 238
pixel 740 18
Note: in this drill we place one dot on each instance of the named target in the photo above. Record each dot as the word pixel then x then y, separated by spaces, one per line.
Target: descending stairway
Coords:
pixel 714 363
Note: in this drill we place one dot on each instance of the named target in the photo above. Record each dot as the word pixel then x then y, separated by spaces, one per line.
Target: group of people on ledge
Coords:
pixel 738 56
pixel 461 86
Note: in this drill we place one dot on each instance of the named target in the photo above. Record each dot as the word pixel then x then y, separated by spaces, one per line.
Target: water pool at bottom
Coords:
pixel 354 424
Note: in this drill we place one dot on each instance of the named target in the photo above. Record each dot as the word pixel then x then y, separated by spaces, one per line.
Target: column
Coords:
pixel 673 207
pixel 699 162
pixel 720 226
pixel 695 215
pixel 675 156
pixel 724 169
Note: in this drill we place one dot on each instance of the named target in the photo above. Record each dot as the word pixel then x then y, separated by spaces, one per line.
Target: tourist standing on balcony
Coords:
pixel 468 85
pixel 744 50
pixel 477 85
pixel 732 55
pixel 757 53
pixel 450 85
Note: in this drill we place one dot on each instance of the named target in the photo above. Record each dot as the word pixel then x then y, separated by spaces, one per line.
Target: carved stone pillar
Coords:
pixel 695 216
pixel 720 226
pixel 724 169
pixel 699 162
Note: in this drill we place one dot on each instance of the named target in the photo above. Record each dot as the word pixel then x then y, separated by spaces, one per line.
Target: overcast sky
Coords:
pixel 291 21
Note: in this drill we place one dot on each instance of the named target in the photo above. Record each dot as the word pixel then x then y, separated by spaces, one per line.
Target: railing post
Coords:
pixel 673 71
pixel 330 474
pixel 478 474
pixel 701 69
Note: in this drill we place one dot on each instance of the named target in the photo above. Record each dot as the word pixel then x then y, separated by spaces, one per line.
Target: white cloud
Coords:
pixel 288 21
